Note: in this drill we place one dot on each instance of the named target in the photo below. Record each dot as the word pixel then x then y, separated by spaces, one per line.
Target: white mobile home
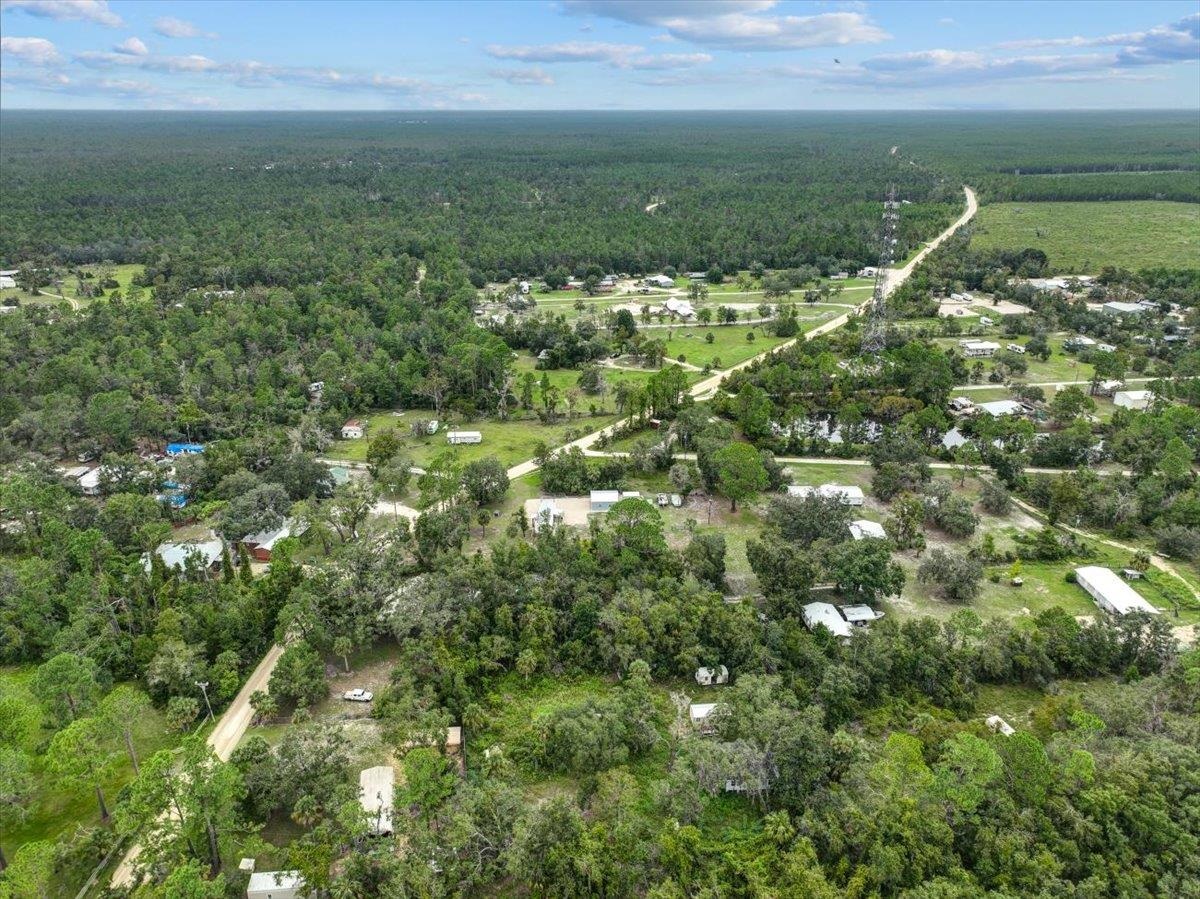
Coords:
pixel 822 613
pixel 660 281
pixel 175 555
pixel 1111 593
pixel 861 529
pixel 1132 399
pixel 274 885
pixel 459 437
pixel 846 495
pixel 376 787
pixel 1115 308
pixel 997 408
pixel 709 677
pixel 979 348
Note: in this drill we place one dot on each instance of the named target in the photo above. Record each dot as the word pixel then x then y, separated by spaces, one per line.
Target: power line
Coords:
pixel 873 333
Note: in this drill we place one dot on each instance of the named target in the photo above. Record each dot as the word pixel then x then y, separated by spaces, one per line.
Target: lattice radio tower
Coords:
pixel 873 333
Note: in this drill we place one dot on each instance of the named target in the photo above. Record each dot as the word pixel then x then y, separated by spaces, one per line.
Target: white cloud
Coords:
pixel 619 56
pixel 67 10
pixel 34 50
pixel 132 46
pixel 191 63
pixel 1174 42
pixel 169 26
pixel 736 24
pixel 531 76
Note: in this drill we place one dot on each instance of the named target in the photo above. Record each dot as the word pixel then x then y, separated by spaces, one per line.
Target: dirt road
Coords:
pixel 708 386
pixel 230 729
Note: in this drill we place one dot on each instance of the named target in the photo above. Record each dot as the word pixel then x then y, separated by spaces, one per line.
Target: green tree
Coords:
pixel 740 472
pixel 31 874
pixel 299 676
pixel 16 790
pixel 121 711
pixel 67 686
pixel 428 781
pixel 79 755
pixel 383 448
pixel 485 480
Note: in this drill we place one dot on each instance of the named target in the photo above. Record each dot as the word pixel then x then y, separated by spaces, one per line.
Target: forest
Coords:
pixel 241 285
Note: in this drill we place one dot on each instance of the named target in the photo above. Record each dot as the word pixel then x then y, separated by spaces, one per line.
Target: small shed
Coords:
pixel 262 544
pixel 353 429
pixel 603 500
pixel 709 677
pixel 699 712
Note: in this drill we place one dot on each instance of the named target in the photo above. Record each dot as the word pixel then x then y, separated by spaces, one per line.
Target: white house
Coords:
pixel 175 555
pixel 457 437
pixel 823 613
pixel 1116 308
pixel 682 308
pixel 376 789
pixel 7 282
pixel 997 408
pixel 708 677
pixel 846 495
pixel 954 438
pixel 260 545
pixel 862 529
pixel 353 429
pixel 1111 593
pixel 979 348
pixel 660 281
pixel 548 515
pixel 274 885
pixel 861 615
pixel 1132 399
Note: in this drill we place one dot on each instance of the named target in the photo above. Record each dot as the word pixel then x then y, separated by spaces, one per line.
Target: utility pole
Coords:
pixel 203 685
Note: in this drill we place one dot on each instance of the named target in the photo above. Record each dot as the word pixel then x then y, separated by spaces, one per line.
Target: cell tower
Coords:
pixel 873 333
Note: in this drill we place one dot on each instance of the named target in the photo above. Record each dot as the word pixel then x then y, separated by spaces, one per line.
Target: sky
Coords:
pixel 598 55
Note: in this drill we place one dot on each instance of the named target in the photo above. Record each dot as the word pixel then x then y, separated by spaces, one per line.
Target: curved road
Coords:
pixel 707 387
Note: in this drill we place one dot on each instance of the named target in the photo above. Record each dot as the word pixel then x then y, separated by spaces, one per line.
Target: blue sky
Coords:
pixel 598 54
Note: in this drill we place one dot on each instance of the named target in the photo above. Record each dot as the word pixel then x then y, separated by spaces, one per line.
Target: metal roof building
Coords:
pixel 1111 593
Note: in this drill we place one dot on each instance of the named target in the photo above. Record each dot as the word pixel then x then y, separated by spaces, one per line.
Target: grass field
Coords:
pixel 510 441
pixel 1082 237
pixel 1061 366
pixel 729 345
pixel 123 274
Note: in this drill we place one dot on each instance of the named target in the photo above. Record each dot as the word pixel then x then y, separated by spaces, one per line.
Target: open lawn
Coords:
pixel 1080 238
pixel 510 441
pixel 1061 366
pixel 729 344
pixel 122 274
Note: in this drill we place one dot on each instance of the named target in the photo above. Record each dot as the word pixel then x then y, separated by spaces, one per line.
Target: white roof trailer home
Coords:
pixel 377 788
pixel 274 885
pixel 1111 593
pixel 978 348
pixel 1132 399
pixel 822 613
pixel 457 437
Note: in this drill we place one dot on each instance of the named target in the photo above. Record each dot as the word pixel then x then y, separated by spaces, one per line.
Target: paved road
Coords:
pixel 707 387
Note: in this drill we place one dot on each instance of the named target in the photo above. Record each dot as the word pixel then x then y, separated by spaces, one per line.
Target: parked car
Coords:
pixel 661 499
pixel 358 695
pixel 676 500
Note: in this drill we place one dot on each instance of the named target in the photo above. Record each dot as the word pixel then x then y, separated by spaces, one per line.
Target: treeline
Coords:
pixel 1181 186
pixel 236 199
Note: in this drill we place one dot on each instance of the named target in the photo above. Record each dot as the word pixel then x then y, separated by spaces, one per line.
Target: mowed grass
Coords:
pixel 1082 237
pixel 122 274
pixel 729 345
pixel 510 441
pixel 1061 366
pixel 58 808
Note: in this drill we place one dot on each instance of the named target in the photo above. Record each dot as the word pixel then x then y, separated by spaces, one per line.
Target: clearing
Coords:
pixel 1082 237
